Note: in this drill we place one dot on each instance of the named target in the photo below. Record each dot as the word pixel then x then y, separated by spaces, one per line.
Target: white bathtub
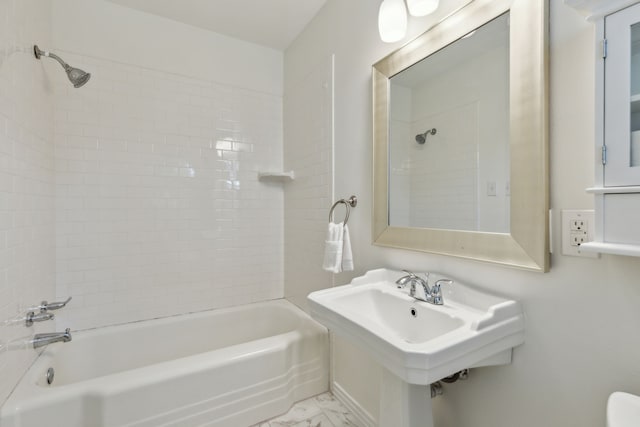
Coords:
pixel 230 367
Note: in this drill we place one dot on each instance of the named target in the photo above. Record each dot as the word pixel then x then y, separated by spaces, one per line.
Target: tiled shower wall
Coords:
pixel 159 209
pixel 26 182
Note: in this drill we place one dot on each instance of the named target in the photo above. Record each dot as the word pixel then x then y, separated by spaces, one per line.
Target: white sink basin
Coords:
pixel 623 410
pixel 420 342
pixel 391 310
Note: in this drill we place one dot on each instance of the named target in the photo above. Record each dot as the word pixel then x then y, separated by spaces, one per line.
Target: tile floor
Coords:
pixel 323 410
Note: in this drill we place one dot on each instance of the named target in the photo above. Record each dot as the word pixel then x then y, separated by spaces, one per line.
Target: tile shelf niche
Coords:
pixel 276 176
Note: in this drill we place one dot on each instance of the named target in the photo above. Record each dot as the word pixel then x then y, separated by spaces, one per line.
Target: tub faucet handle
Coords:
pixel 53 305
pixel 40 317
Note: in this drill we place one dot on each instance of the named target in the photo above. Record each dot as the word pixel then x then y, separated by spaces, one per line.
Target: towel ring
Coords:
pixel 352 202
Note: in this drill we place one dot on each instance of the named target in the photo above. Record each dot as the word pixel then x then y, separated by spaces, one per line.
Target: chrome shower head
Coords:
pixel 77 76
pixel 421 138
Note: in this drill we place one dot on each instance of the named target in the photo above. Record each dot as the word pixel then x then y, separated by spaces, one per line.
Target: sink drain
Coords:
pixel 50 374
pixel 413 312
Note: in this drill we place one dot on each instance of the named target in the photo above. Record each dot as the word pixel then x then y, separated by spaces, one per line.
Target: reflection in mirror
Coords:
pixel 449 136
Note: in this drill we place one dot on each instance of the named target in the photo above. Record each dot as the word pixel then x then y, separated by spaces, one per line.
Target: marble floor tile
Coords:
pixel 337 413
pixel 323 410
pixel 300 412
pixel 320 420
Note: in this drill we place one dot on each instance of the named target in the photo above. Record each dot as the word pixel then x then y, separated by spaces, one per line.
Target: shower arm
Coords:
pixel 39 53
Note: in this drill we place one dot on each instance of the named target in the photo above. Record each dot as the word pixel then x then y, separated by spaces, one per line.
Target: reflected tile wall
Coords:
pixel 158 207
pixel 26 183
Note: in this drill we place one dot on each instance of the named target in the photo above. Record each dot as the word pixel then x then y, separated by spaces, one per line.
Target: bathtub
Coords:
pixel 230 367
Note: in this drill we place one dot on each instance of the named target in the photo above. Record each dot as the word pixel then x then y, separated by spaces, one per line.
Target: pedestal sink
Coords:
pixel 623 410
pixel 419 343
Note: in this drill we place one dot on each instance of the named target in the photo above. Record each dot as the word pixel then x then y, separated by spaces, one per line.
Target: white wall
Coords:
pixel 26 182
pixel 308 106
pixel 581 340
pixel 159 209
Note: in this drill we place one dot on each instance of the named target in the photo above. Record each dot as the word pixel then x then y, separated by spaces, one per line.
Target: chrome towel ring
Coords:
pixel 351 202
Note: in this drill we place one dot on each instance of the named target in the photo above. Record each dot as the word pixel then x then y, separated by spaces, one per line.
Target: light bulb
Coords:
pixel 422 7
pixel 392 21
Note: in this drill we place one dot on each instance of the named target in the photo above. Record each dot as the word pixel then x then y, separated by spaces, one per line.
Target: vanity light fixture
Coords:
pixel 392 17
pixel 422 7
pixel 392 20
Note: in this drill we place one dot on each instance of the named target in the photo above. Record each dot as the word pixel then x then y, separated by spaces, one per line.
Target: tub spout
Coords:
pixel 40 340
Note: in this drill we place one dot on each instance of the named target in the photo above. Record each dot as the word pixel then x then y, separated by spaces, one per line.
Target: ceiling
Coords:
pixel 272 23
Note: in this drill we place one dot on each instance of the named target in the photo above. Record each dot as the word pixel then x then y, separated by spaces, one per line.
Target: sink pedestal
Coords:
pixel 403 404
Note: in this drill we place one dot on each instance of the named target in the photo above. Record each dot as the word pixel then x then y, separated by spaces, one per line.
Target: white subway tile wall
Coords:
pixel 26 183
pixel 159 209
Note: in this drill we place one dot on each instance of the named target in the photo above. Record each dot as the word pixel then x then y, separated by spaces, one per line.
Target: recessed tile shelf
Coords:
pixel 276 176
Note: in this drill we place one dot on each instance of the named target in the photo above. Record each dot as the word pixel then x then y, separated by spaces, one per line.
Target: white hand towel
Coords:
pixel 347 256
pixel 333 248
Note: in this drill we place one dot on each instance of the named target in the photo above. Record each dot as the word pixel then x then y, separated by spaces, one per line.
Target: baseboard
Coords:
pixel 364 418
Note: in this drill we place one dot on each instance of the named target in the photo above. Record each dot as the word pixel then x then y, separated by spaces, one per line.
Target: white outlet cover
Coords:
pixel 569 215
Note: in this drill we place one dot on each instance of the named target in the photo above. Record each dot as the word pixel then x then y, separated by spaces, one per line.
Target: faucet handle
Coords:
pixel 40 317
pixel 402 282
pixel 436 290
pixel 411 277
pixel 53 305
pixel 437 287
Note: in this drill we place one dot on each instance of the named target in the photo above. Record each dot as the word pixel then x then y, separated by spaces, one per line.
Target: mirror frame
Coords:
pixel 527 244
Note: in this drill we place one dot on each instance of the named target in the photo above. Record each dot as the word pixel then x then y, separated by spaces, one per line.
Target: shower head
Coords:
pixel 77 76
pixel 421 138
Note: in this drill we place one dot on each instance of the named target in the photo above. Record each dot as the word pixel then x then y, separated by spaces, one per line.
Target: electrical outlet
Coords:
pixel 577 224
pixel 576 238
pixel 578 227
pixel 491 188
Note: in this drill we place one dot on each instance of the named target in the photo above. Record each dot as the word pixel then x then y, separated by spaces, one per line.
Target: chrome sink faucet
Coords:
pixel 40 340
pixel 432 295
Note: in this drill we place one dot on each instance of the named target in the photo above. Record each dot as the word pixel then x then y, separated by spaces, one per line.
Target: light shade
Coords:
pixel 392 20
pixel 422 7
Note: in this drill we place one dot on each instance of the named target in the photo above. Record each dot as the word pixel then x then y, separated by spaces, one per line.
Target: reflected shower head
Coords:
pixel 77 76
pixel 421 138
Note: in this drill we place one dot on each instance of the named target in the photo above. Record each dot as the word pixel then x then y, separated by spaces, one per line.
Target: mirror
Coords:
pixel 460 137
pixel 449 136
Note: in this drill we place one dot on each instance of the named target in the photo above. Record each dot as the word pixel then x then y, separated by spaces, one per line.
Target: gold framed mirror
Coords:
pixel 525 241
